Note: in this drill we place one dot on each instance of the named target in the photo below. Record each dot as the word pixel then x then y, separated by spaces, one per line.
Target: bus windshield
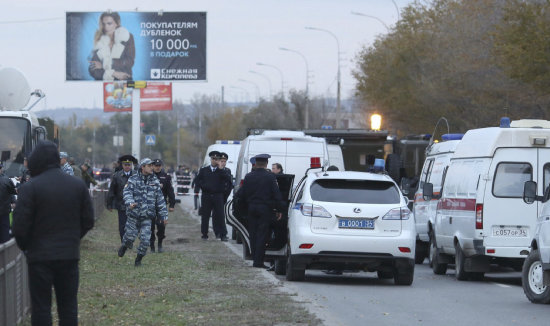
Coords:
pixel 15 144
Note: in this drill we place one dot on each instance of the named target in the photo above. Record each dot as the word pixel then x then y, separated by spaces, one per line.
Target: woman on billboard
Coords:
pixel 114 50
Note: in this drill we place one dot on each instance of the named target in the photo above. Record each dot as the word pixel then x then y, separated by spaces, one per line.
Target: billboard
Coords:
pixel 157 96
pixel 157 46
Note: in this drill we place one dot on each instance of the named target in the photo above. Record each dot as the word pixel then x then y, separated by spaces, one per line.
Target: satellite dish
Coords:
pixel 15 91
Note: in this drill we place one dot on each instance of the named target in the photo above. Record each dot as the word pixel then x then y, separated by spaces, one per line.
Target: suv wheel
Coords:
pixel 460 273
pixel 280 266
pixel 292 273
pixel 404 276
pixel 437 267
pixel 531 278
pixel 421 252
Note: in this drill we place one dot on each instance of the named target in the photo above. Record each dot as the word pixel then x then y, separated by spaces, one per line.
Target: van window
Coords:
pixel 546 180
pixel 509 179
pixel 425 173
pixel 355 191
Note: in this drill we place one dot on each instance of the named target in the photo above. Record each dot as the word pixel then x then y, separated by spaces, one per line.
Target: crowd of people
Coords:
pixel 141 192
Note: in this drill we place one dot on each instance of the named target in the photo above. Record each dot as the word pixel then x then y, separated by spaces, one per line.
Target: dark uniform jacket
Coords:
pixel 228 187
pixel 7 191
pixel 115 195
pixel 260 189
pixel 167 188
pixel 212 182
pixel 53 212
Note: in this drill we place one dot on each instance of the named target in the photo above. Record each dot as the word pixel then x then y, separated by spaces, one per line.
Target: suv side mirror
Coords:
pixel 529 192
pixel 427 191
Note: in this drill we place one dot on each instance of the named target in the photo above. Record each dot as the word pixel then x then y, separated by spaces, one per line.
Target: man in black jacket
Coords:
pixel 212 181
pixel 115 196
pixel 53 212
pixel 168 193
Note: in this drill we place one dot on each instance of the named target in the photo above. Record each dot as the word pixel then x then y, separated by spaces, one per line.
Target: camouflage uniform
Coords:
pixel 145 191
pixel 67 169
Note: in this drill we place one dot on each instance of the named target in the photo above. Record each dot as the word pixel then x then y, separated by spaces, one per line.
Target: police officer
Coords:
pixel 65 166
pixel 212 180
pixel 168 193
pixel 262 198
pixel 144 202
pixel 115 195
pixel 7 192
pixel 228 187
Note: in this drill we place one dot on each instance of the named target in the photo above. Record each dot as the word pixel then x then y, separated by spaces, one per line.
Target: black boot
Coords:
pixel 137 263
pixel 122 250
pixel 160 247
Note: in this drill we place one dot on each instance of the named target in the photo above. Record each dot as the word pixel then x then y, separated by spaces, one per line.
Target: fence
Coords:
pixel 14 283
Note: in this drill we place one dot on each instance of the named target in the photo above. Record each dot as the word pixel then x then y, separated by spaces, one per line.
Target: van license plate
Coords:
pixel 509 231
pixel 355 224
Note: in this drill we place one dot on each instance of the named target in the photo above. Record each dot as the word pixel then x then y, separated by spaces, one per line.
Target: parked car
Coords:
pixel 349 221
pixel 481 218
pixel 536 268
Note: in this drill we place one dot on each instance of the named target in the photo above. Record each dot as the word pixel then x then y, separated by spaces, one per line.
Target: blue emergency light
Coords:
pixel 504 122
pixel 229 142
pixel 379 165
pixel 447 137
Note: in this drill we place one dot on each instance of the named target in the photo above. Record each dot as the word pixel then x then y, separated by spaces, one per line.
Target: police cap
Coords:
pixel 214 154
pixel 127 159
pixel 253 160
pixel 63 155
pixel 262 157
pixel 145 161
pixel 224 156
pixel 157 162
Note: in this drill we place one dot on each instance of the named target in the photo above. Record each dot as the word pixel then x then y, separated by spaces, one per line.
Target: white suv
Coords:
pixel 536 268
pixel 352 221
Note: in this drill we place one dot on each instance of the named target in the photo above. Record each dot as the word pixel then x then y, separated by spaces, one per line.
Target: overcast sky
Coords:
pixel 240 33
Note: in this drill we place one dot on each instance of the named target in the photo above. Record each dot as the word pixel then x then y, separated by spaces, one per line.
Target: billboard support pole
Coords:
pixel 136 119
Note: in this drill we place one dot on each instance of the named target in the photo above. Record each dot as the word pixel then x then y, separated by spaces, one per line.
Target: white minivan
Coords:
pixel 438 158
pixel 481 218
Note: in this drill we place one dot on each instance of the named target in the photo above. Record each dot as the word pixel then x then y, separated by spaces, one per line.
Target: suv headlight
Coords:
pixel 401 213
pixel 314 211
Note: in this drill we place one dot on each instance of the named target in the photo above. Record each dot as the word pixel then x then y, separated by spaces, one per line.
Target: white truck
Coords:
pixel 20 130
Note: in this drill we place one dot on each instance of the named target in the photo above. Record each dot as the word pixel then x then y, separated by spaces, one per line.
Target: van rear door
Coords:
pixel 507 220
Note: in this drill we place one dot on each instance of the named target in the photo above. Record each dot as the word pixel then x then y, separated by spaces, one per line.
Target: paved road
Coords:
pixel 363 299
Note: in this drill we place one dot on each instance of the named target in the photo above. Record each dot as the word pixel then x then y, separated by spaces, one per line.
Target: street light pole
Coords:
pixel 280 73
pixel 373 17
pixel 242 89
pixel 264 76
pixel 338 108
pixel 306 118
pixel 255 85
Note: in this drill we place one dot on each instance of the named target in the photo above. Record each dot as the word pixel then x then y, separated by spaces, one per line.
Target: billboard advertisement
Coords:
pixel 156 46
pixel 157 96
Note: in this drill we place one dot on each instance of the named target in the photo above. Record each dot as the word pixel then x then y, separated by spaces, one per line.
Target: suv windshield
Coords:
pixel 15 140
pixel 355 191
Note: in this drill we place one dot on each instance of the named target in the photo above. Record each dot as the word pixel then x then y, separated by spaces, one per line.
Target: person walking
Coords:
pixel 115 196
pixel 86 176
pixel 144 202
pixel 7 193
pixel 211 180
pixel 228 186
pixel 65 166
pixel 76 170
pixel 168 193
pixel 53 212
pixel 196 190
pixel 263 202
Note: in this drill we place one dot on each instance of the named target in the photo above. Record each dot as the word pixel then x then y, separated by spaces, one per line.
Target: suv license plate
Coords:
pixel 355 224
pixel 509 231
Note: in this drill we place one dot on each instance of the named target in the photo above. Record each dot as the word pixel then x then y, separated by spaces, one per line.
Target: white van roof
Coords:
pixel 483 142
pixel 443 147
pixel 283 133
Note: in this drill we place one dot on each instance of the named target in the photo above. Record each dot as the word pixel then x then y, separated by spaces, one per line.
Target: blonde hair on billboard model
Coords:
pixel 100 31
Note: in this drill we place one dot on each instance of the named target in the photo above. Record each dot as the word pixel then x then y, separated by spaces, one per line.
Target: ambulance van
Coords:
pixel 438 158
pixel 481 218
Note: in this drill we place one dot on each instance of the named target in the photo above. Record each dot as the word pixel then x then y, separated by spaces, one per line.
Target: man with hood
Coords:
pixel 144 202
pixel 115 196
pixel 53 212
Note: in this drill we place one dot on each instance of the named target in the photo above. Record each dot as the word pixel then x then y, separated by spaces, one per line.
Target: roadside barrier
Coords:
pixel 15 301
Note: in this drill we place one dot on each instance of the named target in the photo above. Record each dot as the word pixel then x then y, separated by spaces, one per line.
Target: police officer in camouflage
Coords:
pixel 144 202
pixel 65 166
pixel 168 193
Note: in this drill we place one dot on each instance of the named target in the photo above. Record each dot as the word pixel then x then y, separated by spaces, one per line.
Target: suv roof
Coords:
pixel 349 175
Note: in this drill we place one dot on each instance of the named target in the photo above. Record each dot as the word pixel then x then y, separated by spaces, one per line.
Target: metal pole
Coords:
pixel 136 141
pixel 264 76
pixel 338 108
pixel 178 146
pixel 280 73
pixel 306 118
pixel 255 85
